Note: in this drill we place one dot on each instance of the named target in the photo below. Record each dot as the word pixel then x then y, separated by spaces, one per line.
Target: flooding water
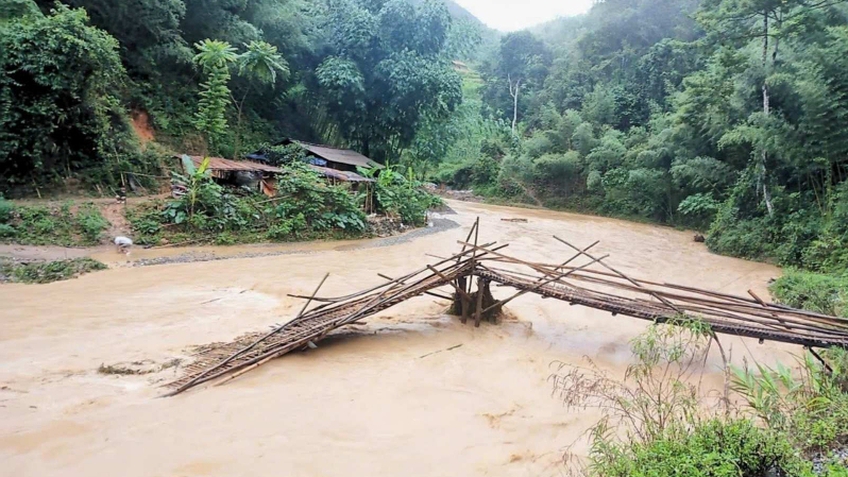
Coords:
pixel 365 402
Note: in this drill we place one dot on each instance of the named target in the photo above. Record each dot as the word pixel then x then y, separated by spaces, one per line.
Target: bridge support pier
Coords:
pixel 475 302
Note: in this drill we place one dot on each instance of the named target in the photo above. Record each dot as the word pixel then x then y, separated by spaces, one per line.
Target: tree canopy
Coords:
pixel 59 109
pixel 386 71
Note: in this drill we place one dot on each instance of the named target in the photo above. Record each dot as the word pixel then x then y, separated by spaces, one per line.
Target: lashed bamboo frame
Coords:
pixel 607 289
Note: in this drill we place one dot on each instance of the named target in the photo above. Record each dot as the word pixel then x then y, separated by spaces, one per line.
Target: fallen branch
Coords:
pixel 439 351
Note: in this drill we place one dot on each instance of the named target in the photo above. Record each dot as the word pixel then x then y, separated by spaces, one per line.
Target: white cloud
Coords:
pixel 511 15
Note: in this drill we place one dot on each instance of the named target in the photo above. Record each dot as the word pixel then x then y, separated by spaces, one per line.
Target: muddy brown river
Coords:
pixel 371 400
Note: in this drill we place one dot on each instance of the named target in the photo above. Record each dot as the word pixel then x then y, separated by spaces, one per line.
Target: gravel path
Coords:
pixel 439 225
pixel 839 457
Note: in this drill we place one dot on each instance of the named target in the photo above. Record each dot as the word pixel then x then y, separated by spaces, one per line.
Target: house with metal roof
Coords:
pixel 334 157
pixel 331 162
pixel 255 175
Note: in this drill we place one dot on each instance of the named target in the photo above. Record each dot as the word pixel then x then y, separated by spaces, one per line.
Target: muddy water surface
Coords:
pixel 370 401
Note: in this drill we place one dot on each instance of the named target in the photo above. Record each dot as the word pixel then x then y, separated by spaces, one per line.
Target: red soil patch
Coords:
pixel 141 125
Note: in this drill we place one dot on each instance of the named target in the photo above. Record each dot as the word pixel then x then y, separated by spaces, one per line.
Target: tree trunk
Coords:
pixel 240 110
pixel 777 39
pixel 766 112
pixel 366 149
pixel 513 91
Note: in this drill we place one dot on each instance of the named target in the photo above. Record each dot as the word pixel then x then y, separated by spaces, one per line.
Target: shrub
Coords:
pixel 306 206
pixel 595 181
pixel 91 223
pixel 46 272
pixel 809 405
pixel 655 424
pixel 7 231
pixel 402 195
pixel 484 170
pixel 40 225
pixel 518 169
pixel 817 292
pixel 730 235
pixel 716 448
pixel 537 145
pixel 312 203
pixel 280 155
pixel 558 167
pixel 6 210
pixel 285 229
pixel 225 238
pixel 636 193
pixel 655 400
pixel 699 209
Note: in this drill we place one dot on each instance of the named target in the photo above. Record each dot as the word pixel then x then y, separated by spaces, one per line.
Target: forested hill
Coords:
pixel 720 115
pixel 459 13
pixel 217 76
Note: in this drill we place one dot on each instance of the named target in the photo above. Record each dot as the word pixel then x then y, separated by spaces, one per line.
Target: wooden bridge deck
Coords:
pixel 661 313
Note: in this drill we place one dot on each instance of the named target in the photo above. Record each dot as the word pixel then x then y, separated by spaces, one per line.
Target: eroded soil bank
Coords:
pixel 369 401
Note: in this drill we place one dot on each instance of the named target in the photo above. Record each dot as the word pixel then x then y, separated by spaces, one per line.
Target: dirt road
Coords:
pixel 365 402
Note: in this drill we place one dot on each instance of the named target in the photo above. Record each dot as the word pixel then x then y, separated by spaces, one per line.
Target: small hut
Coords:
pixel 257 176
pixel 335 164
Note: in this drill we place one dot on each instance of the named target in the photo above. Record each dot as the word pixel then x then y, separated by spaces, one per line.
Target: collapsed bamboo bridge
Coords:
pixel 593 284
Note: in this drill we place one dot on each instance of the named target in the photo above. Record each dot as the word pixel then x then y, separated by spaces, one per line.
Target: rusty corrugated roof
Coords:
pixel 220 164
pixel 346 176
pixel 341 156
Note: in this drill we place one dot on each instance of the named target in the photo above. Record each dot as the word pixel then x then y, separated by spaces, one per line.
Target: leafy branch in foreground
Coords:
pixel 656 398
pixel 808 403
pixel 656 422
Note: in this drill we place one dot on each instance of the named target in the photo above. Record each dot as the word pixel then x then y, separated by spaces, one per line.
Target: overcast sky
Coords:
pixel 511 15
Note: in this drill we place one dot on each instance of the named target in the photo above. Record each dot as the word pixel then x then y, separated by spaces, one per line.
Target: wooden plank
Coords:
pixel 478 312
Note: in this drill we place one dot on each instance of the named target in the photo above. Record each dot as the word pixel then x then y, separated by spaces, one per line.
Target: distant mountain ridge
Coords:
pixel 489 36
pixel 458 11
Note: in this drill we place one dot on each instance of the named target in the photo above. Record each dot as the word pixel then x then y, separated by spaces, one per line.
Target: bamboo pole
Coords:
pixel 538 285
pixel 725 313
pixel 251 346
pixel 436 295
pixel 707 307
pixel 478 312
pixel 666 302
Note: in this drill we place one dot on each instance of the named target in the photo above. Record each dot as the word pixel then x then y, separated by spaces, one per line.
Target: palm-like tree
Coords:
pixel 214 58
pixel 262 62
pixel 214 54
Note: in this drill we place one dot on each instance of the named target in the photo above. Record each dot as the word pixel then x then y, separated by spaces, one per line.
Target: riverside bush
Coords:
pixel 52 225
pixel 716 448
pixel 47 272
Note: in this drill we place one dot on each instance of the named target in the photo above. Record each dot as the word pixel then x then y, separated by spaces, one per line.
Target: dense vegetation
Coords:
pixel 305 207
pixel 718 115
pixel 68 224
pixel 215 77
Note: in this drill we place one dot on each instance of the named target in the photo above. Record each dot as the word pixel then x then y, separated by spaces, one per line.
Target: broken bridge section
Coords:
pixel 584 279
